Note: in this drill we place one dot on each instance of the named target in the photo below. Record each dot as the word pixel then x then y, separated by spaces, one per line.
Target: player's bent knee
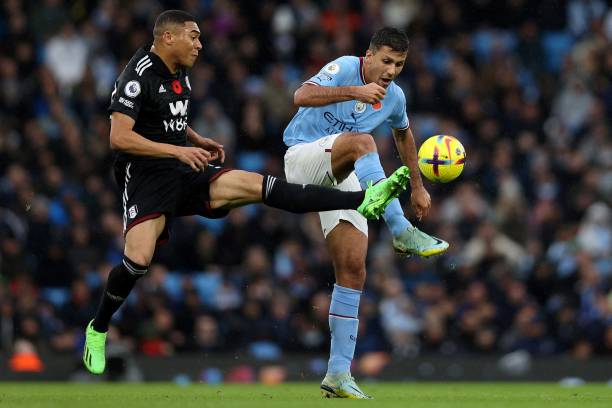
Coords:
pixel 138 258
pixel 354 280
pixel 363 143
pixel 350 273
pixel 135 269
pixel 140 240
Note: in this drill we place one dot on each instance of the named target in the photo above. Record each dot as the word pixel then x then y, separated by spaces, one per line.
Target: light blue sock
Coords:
pixel 368 168
pixel 395 218
pixel 343 324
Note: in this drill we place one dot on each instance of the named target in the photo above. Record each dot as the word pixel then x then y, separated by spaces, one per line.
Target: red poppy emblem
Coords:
pixel 177 87
pixel 377 105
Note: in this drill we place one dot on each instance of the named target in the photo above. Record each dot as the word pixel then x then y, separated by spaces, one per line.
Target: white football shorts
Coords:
pixel 310 163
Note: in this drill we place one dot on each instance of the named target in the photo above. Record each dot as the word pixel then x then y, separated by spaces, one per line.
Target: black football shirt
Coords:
pixel 156 99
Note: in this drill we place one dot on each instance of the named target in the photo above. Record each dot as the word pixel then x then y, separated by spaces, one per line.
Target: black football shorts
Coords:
pixel 152 188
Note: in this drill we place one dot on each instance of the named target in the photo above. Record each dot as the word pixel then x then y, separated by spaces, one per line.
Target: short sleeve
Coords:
pixel 334 73
pixel 399 117
pixel 128 96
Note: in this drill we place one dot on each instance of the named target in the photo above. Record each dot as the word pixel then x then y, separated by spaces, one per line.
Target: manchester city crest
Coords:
pixel 359 107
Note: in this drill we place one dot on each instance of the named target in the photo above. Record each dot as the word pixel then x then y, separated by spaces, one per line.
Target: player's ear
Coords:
pixel 368 53
pixel 169 36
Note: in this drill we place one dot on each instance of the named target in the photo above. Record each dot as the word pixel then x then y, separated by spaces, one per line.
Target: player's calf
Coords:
pixel 121 280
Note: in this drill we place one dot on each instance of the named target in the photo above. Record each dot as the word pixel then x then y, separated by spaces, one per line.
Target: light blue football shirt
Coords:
pixel 312 123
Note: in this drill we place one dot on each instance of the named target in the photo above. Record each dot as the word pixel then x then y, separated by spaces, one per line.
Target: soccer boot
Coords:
pixel 380 195
pixel 415 242
pixel 341 386
pixel 93 352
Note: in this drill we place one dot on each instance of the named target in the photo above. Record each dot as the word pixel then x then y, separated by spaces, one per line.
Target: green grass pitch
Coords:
pixel 297 395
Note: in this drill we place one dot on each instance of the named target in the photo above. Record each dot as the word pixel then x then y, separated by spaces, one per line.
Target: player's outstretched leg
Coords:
pixel 300 198
pixel 380 195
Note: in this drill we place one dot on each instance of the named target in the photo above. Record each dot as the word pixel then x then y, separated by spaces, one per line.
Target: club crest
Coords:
pixel 359 107
pixel 332 68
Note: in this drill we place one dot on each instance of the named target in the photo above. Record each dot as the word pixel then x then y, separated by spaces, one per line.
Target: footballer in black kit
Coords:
pixel 158 101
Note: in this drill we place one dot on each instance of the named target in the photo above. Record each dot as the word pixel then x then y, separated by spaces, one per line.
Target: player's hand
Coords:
pixel 196 157
pixel 421 202
pixel 370 93
pixel 215 149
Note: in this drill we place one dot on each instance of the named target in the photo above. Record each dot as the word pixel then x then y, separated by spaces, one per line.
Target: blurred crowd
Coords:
pixel 526 86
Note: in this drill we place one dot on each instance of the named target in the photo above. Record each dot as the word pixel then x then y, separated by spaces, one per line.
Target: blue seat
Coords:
pixel 173 285
pixel 56 296
pixel 251 161
pixel 556 44
pixel 207 284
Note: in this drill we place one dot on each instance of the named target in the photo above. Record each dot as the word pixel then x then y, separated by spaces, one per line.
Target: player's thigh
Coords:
pixel 348 247
pixel 150 191
pixel 235 188
pixel 329 219
pixel 310 163
pixel 346 149
pixel 141 239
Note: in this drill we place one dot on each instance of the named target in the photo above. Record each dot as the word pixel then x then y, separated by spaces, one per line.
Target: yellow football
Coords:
pixel 441 158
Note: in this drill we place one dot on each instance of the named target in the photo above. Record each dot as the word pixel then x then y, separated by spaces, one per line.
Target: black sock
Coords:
pixel 301 198
pixel 120 282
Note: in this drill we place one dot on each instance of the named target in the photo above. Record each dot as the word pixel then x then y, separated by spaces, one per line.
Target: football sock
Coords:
pixel 120 282
pixel 343 324
pixel 368 168
pixel 301 198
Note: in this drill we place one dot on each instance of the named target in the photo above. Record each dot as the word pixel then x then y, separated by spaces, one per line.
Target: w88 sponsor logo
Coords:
pixel 175 125
pixel 177 108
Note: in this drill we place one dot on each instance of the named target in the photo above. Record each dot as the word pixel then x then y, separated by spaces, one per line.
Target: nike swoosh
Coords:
pixel 438 241
pixel 359 391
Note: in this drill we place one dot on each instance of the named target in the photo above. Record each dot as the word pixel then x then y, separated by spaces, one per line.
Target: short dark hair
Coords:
pixel 169 17
pixel 394 38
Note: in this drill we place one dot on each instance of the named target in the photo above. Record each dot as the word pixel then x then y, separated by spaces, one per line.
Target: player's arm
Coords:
pixel 310 94
pixel 420 199
pixel 215 149
pixel 123 138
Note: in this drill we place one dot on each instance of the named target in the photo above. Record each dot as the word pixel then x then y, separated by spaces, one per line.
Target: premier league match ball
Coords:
pixel 441 158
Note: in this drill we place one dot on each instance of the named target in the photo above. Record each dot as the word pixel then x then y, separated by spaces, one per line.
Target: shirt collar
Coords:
pixel 158 65
pixel 361 72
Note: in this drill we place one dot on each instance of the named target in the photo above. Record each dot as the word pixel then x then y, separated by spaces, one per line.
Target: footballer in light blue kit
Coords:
pixel 330 143
pixel 313 123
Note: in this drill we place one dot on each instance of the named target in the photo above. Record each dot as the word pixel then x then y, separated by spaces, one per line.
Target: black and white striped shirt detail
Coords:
pixel 144 63
pixel 128 175
pixel 269 185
